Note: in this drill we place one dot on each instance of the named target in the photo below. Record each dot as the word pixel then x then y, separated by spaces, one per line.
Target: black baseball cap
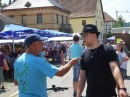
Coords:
pixel 90 28
pixel 33 38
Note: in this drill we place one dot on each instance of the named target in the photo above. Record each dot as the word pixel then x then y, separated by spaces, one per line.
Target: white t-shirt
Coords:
pixel 124 64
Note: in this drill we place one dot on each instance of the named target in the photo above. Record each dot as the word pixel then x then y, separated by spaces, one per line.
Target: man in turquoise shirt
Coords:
pixel 76 50
pixel 30 71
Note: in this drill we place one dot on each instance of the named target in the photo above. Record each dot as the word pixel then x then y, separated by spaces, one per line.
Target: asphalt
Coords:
pixel 63 82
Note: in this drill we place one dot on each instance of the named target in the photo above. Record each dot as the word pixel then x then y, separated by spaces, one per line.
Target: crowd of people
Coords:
pixel 102 66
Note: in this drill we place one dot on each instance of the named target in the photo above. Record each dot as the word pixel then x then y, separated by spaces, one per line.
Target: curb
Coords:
pixel 14 94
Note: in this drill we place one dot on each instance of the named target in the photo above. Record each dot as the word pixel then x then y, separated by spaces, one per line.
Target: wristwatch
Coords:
pixel 123 89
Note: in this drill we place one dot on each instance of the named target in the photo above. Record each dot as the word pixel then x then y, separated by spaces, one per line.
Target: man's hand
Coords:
pixel 75 61
pixel 123 93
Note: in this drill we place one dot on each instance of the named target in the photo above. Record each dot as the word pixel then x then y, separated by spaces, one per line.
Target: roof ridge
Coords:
pixel 20 4
pixel 108 17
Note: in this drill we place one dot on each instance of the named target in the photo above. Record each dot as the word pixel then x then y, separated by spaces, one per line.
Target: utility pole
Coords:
pixel 121 12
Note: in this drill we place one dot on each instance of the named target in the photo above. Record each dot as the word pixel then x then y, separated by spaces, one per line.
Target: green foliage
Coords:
pixel 71 31
pixel 3 5
pixel 60 29
pixel 127 24
pixel 64 30
pixel 109 34
pixel 119 23
pixel 116 25
pixel 0 4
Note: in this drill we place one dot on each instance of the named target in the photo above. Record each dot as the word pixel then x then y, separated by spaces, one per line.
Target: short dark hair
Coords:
pixel 76 38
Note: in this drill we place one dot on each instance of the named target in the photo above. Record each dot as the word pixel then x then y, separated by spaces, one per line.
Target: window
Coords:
pixel 96 22
pixel 12 17
pixel 66 20
pixel 57 18
pixel 24 20
pixel 101 23
pixel 39 19
pixel 97 11
pixel 62 20
pixel 83 22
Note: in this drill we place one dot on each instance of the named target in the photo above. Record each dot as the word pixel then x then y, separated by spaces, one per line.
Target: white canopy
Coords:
pixel 60 38
pixel 11 41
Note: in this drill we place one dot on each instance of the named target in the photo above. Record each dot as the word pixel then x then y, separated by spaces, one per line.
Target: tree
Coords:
pixel 0 4
pixel 109 34
pixel 3 5
pixel 119 23
pixel 60 29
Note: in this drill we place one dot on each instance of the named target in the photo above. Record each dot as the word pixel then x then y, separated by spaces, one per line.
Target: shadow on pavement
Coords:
pixel 3 91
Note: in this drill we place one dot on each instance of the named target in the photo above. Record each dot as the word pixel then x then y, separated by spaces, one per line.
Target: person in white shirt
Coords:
pixel 125 58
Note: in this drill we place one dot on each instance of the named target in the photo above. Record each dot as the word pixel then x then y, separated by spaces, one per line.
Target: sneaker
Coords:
pixel 2 88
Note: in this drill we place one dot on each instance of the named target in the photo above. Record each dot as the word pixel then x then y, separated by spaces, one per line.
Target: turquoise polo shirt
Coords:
pixel 31 72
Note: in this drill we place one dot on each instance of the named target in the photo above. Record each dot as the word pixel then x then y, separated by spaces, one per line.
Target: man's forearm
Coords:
pixel 63 70
pixel 118 77
pixel 81 85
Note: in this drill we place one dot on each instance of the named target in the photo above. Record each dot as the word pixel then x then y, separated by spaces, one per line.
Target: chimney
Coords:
pixel 9 2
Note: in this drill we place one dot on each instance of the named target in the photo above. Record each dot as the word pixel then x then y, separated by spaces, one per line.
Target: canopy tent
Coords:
pixel 60 39
pixel 20 32
pixel 51 33
pixel 16 31
pixel 2 41
pixel 111 38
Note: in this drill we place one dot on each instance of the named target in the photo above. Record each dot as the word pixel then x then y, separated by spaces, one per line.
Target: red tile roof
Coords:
pixel 108 17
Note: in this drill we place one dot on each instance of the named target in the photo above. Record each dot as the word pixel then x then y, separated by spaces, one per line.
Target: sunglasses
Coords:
pixel 84 36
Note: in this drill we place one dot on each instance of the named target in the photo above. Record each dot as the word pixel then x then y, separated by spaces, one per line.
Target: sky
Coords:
pixel 109 7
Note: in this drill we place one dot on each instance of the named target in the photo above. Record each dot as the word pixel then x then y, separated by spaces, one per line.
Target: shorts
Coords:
pixel 123 72
pixel 76 72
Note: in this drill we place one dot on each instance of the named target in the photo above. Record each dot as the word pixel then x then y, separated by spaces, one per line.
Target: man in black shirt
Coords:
pixel 99 66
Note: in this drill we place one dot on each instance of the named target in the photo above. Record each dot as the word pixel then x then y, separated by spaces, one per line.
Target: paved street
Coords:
pixel 65 81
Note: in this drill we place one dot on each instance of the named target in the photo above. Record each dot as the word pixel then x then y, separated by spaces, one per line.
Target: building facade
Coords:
pixel 41 14
pixel 108 23
pixel 85 12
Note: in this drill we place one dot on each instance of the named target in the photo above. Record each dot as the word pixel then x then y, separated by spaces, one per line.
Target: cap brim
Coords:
pixel 82 33
pixel 88 32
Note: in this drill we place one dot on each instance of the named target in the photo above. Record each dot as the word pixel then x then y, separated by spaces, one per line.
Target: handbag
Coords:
pixel 6 67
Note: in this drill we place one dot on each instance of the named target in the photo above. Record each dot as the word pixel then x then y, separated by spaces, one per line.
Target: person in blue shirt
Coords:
pixel 76 50
pixel 31 71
